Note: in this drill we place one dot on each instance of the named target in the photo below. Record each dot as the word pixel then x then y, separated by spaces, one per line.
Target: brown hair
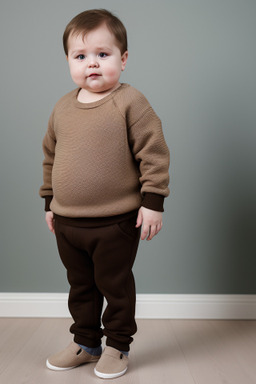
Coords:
pixel 89 20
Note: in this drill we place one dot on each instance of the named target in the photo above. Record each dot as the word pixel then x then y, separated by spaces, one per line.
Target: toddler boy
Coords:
pixel 105 175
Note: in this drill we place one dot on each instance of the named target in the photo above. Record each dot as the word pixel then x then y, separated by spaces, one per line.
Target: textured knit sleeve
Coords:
pixel 150 151
pixel 49 143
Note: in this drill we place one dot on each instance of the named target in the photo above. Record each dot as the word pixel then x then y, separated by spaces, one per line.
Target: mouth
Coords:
pixel 94 75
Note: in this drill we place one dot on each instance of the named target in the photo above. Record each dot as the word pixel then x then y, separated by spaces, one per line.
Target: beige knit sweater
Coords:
pixel 104 158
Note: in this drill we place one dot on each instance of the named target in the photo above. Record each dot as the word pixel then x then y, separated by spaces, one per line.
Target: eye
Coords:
pixel 81 57
pixel 102 55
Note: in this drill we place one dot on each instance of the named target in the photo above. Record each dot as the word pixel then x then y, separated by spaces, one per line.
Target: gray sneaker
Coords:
pixel 69 358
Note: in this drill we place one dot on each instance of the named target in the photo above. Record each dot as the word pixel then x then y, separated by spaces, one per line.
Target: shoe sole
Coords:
pixel 109 375
pixel 53 368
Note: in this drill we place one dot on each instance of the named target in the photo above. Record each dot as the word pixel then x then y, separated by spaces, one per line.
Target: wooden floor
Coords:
pixel 164 351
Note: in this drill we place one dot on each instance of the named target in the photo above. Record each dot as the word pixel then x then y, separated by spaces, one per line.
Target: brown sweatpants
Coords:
pixel 99 261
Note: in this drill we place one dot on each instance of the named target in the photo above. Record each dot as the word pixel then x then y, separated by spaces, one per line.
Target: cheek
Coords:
pixel 112 71
pixel 112 68
pixel 75 72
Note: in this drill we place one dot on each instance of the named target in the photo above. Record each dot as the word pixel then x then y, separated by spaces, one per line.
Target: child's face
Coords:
pixel 95 61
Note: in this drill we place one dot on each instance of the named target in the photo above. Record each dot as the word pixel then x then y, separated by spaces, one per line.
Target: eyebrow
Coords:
pixel 99 49
pixel 76 51
pixel 104 49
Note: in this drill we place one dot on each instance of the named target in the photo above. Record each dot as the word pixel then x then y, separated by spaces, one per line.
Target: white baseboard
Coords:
pixel 149 306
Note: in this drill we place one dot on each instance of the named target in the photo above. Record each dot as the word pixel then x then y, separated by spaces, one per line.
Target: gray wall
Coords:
pixel 195 62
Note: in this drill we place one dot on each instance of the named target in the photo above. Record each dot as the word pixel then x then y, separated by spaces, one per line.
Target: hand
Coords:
pixel 152 222
pixel 49 220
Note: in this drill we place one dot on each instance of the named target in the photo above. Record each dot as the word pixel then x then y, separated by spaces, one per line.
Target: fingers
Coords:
pixel 144 232
pixel 151 222
pixel 51 227
pixel 139 219
pixel 50 221
pixel 149 231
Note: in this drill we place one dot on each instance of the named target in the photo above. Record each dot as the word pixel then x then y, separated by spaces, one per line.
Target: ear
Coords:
pixel 124 60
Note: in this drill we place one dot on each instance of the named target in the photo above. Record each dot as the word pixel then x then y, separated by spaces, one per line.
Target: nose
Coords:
pixel 92 62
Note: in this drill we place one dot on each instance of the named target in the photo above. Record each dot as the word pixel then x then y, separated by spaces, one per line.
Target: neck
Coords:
pixel 89 97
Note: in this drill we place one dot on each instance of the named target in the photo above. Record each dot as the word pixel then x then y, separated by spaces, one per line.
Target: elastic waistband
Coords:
pixel 95 221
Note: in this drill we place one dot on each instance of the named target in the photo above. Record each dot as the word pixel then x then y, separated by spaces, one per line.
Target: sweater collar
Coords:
pixel 94 104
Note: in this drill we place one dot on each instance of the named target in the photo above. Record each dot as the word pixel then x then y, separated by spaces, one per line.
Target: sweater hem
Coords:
pixel 95 221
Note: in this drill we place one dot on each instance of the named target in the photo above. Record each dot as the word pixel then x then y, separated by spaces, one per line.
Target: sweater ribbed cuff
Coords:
pixel 48 200
pixel 153 201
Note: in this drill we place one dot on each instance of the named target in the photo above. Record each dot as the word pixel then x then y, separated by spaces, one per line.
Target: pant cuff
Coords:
pixel 116 345
pixel 86 342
